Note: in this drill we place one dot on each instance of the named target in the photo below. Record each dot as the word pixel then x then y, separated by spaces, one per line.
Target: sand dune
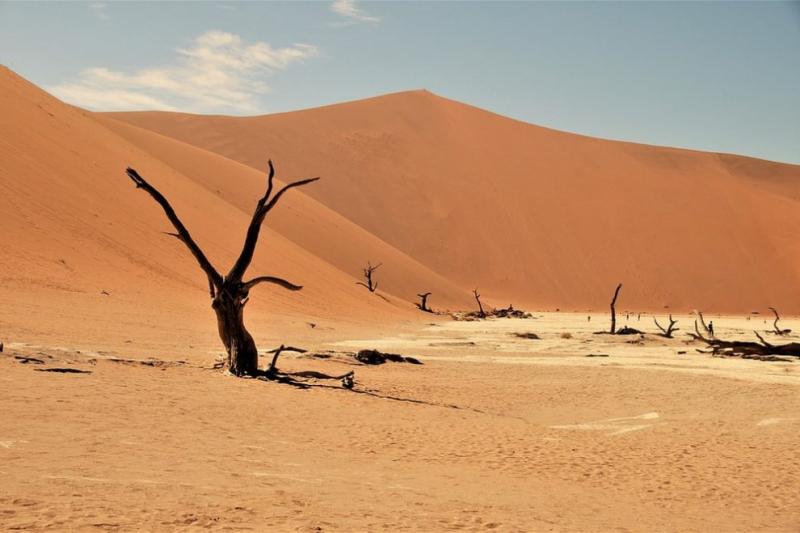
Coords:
pixel 102 428
pixel 86 262
pixel 532 215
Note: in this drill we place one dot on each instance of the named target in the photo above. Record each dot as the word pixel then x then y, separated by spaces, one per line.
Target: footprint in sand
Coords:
pixel 614 426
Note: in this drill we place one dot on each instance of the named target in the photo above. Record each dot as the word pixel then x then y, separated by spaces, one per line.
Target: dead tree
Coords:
pixel 481 312
pixel 230 293
pixel 368 270
pixel 708 330
pixel 666 333
pixel 776 329
pixel 761 350
pixel 423 304
pixel 614 310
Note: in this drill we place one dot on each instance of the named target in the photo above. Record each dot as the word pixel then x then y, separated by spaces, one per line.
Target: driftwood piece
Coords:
pixel 628 331
pixel 374 357
pixel 63 370
pixel 507 312
pixel 761 350
pixel 271 373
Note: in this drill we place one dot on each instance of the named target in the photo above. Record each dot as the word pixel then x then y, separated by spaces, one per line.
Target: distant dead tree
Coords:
pixel 481 312
pixel 368 270
pixel 708 328
pixel 776 329
pixel 423 303
pixel 230 293
pixel 667 333
pixel 614 310
pixel 761 350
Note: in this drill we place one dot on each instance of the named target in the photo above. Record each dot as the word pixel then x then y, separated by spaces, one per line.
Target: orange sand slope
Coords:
pixel 85 254
pixel 531 215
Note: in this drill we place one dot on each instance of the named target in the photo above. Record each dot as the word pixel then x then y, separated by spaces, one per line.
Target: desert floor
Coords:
pixel 493 432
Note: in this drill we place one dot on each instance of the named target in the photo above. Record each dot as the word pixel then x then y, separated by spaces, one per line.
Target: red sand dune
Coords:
pixel 530 215
pixel 74 225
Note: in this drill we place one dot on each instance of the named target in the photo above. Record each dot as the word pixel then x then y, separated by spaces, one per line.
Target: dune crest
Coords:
pixel 534 216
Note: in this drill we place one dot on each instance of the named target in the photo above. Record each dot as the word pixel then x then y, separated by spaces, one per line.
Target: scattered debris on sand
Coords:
pixel 374 357
pixel 507 312
pixel 63 370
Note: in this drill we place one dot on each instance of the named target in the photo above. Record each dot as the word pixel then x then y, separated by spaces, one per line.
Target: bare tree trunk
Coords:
pixel 614 310
pixel 239 344
pixel 423 304
pixel 480 307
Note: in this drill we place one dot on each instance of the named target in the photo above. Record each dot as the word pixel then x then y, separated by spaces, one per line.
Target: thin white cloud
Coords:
pixel 217 73
pixel 99 10
pixel 350 10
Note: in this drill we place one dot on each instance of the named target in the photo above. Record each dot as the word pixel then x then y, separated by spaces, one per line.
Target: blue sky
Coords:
pixel 705 75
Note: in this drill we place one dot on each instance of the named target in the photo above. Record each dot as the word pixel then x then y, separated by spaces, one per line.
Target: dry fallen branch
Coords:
pixel 761 350
pixel 291 378
pixel 374 357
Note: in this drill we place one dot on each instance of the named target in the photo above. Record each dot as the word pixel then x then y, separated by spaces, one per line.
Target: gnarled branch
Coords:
pixel 277 351
pixel 776 329
pixel 271 279
pixel 667 333
pixel 214 277
pixel 264 206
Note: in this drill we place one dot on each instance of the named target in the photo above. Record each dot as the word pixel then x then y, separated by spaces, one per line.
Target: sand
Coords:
pixel 493 431
pixel 521 438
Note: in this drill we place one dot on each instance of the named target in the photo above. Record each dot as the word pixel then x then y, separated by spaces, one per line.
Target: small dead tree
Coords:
pixel 776 329
pixel 708 329
pixel 423 303
pixel 230 293
pixel 667 333
pixel 614 310
pixel 368 270
pixel 481 312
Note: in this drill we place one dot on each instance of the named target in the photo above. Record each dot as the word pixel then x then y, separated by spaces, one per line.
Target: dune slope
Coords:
pixel 86 262
pixel 532 215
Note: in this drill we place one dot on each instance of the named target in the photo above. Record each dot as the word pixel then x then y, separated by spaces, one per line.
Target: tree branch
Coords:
pixel 265 204
pixel 214 277
pixel 271 279
pixel 277 351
